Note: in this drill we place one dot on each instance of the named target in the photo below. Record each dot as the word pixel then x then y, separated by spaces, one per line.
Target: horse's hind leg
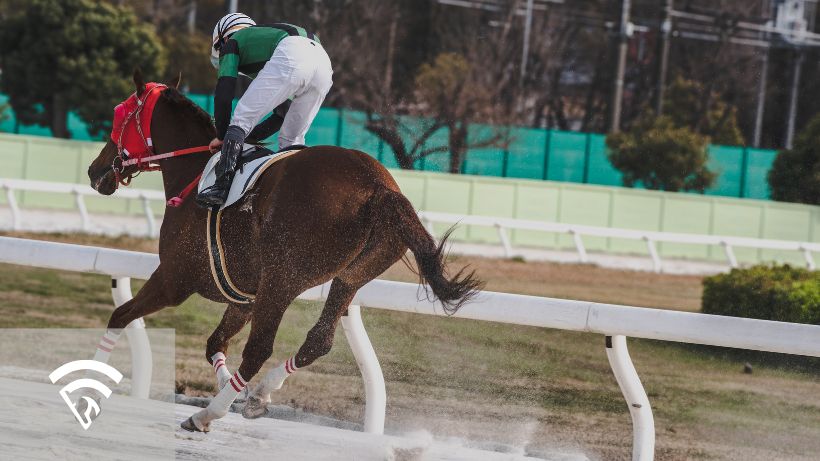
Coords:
pixel 318 343
pixel 235 318
pixel 377 256
pixel 271 302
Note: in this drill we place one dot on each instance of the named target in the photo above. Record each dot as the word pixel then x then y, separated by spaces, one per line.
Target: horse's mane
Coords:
pixel 174 97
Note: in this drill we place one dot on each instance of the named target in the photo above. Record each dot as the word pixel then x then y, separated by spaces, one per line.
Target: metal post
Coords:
pixel 16 217
pixel 192 16
pixel 78 198
pixel 374 388
pixel 730 254
pixel 798 65
pixel 505 241
pixel 761 97
pixel 525 52
pixel 149 216
pixel 623 41
pixel 233 6
pixel 663 64
pixel 579 246
pixel 653 253
pixel 141 360
pixel 809 259
pixel 643 424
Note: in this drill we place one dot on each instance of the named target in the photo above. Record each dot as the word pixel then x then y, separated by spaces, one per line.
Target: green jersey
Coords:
pixel 246 51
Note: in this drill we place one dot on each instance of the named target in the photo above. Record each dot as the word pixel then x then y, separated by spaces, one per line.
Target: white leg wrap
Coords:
pixel 106 345
pixel 221 369
pixel 274 379
pixel 221 404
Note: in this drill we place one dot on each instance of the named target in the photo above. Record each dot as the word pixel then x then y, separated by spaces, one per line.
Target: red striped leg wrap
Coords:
pixel 108 341
pixel 290 365
pixel 237 382
pixel 218 361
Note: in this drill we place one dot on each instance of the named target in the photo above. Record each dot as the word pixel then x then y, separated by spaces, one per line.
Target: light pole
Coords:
pixel 617 93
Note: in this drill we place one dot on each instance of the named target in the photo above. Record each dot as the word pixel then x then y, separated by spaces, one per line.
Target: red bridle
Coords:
pixel 142 161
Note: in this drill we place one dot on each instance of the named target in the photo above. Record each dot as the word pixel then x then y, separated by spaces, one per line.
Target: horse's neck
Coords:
pixel 178 173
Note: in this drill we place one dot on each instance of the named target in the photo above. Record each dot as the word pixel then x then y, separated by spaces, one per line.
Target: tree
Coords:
pixel 795 174
pixel 689 104
pixel 661 156
pixel 62 55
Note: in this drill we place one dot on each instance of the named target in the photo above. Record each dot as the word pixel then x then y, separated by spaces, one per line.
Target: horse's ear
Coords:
pixel 179 80
pixel 139 82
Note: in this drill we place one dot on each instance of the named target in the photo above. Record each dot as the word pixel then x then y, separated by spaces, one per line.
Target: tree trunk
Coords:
pixel 458 146
pixel 59 117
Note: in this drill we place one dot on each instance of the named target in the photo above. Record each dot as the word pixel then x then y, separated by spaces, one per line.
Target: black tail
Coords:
pixel 400 215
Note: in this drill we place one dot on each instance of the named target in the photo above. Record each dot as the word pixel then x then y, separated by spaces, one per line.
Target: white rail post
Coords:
pixel 141 360
pixel 149 215
pixel 643 424
pixel 78 198
pixel 374 389
pixel 808 257
pixel 505 241
pixel 16 217
pixel 579 245
pixel 730 253
pixel 657 264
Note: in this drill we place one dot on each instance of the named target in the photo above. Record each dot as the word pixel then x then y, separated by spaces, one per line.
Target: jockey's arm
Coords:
pixel 225 86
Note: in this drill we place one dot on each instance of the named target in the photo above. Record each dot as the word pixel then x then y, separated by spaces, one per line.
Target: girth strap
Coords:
pixel 219 270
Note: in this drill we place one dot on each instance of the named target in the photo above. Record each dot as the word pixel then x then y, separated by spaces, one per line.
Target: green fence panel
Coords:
pixel 786 222
pixel 526 159
pixel 355 136
pixel 599 169
pixel 738 218
pixel 759 162
pixel 324 130
pixel 566 156
pixel 637 210
pixel 726 162
pixel 439 161
pixel 685 214
pixel 492 198
pixel 487 161
pixel 584 205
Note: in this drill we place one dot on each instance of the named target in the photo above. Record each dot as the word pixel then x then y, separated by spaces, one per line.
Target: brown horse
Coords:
pixel 326 213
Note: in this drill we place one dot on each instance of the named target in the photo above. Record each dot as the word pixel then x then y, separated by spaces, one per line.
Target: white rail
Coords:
pixel 502 225
pixel 79 191
pixel 615 322
pixel 650 237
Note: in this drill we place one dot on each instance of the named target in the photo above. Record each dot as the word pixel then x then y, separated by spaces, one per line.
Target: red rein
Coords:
pixel 134 143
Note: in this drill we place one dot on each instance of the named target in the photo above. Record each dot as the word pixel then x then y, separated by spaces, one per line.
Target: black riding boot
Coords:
pixel 225 168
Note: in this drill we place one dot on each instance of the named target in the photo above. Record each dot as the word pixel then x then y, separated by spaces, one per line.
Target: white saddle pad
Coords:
pixel 244 180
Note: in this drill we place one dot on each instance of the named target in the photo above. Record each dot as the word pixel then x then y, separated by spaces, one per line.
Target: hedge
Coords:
pixel 783 293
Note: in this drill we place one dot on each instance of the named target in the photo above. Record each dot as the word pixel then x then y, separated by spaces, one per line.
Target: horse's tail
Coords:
pixel 398 213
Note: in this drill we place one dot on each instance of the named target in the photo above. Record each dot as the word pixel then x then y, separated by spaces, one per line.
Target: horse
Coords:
pixel 323 214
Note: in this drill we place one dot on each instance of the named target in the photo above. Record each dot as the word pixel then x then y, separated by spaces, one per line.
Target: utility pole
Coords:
pixel 526 49
pixel 798 66
pixel 663 52
pixel 761 96
pixel 617 93
pixel 191 16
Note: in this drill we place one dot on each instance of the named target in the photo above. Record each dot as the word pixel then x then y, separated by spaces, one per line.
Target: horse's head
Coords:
pixel 130 139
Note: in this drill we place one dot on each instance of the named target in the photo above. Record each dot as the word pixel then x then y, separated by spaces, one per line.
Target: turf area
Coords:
pixel 522 386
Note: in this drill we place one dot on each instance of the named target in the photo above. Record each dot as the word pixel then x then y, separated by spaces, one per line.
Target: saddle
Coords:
pixel 253 161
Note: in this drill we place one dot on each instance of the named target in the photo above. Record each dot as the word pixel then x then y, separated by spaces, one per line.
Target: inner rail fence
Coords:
pixel 614 322
pixel 502 225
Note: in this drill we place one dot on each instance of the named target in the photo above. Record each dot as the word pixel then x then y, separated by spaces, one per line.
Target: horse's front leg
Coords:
pixel 266 315
pixel 151 298
pixel 235 318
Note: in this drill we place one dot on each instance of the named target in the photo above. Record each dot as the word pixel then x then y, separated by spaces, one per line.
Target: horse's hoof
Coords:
pixel 254 408
pixel 190 426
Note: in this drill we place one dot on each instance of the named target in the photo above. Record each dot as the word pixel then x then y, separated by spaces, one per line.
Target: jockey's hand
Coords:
pixel 215 145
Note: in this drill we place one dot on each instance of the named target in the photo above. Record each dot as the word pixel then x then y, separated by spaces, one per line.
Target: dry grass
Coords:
pixel 522 386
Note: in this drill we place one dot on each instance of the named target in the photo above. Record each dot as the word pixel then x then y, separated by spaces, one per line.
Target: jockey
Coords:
pixel 285 62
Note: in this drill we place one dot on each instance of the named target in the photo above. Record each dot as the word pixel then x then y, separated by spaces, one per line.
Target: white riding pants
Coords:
pixel 299 69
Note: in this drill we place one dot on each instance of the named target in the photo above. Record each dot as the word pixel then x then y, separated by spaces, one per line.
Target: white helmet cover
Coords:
pixel 226 26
